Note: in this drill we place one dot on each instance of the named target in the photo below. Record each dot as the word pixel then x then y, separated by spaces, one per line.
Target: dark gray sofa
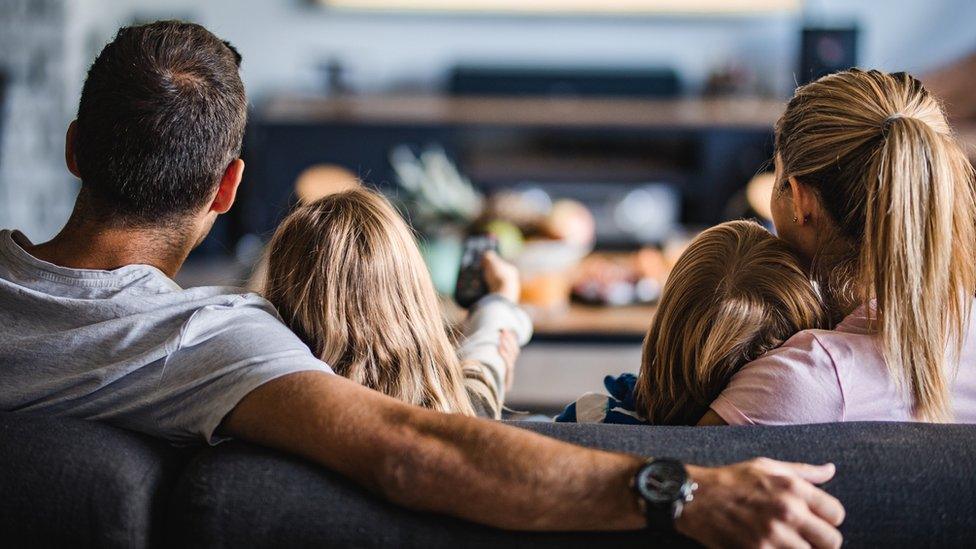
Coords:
pixel 82 484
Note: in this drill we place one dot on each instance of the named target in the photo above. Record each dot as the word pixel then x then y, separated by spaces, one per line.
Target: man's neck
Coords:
pixel 86 245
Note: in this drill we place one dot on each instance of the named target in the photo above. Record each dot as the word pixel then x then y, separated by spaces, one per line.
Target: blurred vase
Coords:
pixel 442 251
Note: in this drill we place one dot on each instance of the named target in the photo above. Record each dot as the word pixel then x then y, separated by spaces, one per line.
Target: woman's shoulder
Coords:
pixel 797 382
pixel 825 358
pixel 805 349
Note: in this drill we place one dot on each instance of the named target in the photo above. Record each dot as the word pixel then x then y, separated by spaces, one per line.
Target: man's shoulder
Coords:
pixel 231 312
pixel 229 298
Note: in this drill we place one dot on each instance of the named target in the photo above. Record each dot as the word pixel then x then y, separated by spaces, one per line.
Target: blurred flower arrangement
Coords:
pixel 549 240
pixel 546 239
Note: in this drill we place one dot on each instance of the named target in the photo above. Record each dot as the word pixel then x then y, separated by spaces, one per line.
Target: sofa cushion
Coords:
pixel 902 484
pixel 67 482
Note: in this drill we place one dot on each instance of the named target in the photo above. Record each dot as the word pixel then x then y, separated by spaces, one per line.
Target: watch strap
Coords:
pixel 660 518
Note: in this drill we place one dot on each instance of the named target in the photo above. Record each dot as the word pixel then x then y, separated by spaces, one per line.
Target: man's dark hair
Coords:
pixel 161 116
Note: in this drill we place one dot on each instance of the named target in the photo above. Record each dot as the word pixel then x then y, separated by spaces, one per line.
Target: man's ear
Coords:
pixel 227 191
pixel 804 202
pixel 69 149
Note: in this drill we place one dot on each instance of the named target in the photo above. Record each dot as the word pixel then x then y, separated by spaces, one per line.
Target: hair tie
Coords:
pixel 886 123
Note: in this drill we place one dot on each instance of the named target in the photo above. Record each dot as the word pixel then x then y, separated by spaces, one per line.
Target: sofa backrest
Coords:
pixel 902 485
pixel 73 483
pixel 84 484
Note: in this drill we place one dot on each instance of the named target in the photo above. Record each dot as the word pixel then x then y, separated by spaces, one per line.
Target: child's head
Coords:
pixel 735 293
pixel 346 275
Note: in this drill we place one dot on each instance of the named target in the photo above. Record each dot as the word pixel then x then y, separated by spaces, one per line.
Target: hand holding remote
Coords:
pixel 501 277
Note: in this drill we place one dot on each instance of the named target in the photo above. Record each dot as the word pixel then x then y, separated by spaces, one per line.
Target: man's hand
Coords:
pixel 502 277
pixel 763 503
pixel 508 348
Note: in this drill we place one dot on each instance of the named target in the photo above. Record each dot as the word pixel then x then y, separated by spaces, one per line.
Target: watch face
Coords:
pixel 663 481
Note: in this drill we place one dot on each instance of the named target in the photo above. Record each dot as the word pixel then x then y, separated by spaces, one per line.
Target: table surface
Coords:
pixel 579 320
pixel 630 321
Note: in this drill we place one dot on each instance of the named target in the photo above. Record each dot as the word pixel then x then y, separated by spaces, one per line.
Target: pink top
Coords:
pixel 821 376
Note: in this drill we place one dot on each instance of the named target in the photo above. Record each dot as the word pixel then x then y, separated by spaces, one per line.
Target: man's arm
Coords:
pixel 507 477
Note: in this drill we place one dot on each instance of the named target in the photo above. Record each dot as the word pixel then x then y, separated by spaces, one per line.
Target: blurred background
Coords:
pixel 592 138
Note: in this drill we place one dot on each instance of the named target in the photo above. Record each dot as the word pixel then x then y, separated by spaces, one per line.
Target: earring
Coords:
pixel 795 220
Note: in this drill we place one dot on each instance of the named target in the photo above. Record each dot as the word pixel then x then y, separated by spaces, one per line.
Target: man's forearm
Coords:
pixel 511 478
pixel 474 469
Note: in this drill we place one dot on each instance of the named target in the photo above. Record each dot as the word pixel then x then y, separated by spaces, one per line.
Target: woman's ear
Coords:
pixel 804 202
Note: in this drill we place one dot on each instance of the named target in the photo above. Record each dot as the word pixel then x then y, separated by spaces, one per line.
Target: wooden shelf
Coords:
pixel 513 112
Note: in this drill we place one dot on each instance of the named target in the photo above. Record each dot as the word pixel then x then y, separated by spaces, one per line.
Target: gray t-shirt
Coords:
pixel 132 348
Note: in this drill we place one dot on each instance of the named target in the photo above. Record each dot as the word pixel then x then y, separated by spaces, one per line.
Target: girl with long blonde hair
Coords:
pixel 878 197
pixel 347 277
pixel 734 294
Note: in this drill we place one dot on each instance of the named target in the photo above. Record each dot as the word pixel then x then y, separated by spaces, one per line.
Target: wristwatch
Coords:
pixel 663 488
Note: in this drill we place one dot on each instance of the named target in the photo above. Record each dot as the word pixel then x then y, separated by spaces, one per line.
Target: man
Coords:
pixel 92 326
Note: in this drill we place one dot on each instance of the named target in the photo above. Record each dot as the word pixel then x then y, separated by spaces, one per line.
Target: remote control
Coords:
pixel 471 285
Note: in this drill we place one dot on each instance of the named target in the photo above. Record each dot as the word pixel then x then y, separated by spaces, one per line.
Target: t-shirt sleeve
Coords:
pixel 224 353
pixel 795 383
pixel 487 318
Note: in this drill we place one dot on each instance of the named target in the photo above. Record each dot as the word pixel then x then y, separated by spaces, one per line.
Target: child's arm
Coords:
pixel 481 350
pixel 495 329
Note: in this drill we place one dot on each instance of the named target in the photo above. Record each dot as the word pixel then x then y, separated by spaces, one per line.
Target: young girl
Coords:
pixel 735 293
pixel 346 275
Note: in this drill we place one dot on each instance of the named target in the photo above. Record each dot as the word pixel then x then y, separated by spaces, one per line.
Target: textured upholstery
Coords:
pixel 902 484
pixel 239 495
pixel 73 483
pixel 66 482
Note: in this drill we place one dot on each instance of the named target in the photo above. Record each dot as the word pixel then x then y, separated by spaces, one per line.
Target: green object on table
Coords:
pixel 442 253
pixel 510 239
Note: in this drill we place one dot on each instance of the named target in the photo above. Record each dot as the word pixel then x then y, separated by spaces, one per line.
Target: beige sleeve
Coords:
pixel 482 329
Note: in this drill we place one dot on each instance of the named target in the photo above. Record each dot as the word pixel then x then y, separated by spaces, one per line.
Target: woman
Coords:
pixel 346 276
pixel 879 199
pixel 735 293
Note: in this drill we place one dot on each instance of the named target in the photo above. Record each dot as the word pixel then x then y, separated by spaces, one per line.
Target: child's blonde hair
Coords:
pixel 346 275
pixel 735 293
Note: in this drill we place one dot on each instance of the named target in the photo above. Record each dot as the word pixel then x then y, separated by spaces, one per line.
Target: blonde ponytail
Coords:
pixel 877 150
